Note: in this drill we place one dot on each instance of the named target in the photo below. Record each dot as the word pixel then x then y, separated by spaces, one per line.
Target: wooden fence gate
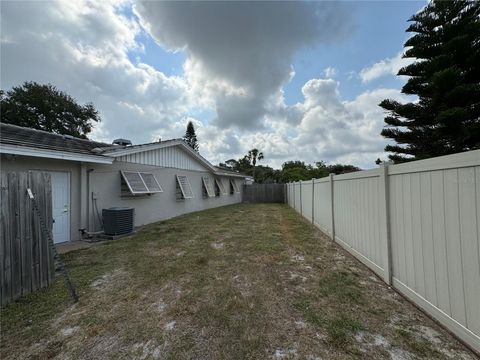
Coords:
pixel 26 259
pixel 264 193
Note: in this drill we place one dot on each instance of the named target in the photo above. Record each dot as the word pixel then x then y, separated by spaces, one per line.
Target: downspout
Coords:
pixel 88 198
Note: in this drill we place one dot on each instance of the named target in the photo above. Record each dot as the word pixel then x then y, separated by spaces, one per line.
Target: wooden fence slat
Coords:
pixel 36 239
pixel 23 220
pixel 46 190
pixel 264 193
pixel 49 221
pixel 39 249
pixel 6 222
pixel 26 260
pixel 16 254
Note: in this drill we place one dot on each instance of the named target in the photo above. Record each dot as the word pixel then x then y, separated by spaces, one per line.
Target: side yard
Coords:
pixel 243 281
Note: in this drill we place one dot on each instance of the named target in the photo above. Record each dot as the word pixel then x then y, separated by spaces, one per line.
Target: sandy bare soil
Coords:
pixel 239 282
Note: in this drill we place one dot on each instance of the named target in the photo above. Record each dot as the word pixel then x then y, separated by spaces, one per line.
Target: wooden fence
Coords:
pixel 263 193
pixel 26 259
pixel 417 225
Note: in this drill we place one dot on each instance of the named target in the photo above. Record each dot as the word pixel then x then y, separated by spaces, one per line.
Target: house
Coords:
pixel 159 180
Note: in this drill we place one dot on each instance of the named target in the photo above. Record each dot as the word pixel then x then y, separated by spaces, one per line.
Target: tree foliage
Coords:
pixel 252 157
pixel 446 79
pixel 190 136
pixel 290 171
pixel 44 107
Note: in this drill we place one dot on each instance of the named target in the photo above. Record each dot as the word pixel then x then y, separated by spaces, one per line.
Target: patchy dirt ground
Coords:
pixel 244 281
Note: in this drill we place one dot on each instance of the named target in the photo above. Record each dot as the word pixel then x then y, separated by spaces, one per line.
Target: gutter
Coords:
pixel 54 154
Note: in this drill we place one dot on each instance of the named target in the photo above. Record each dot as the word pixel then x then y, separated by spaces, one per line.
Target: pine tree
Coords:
pixel 191 137
pixel 446 79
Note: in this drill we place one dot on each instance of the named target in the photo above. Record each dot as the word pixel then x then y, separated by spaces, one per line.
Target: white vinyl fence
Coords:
pixel 417 225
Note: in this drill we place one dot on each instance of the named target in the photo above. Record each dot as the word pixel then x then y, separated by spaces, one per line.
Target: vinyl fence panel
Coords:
pixel 417 225
pixel 356 204
pixel 322 208
pixel 307 205
pixel 435 239
pixel 296 193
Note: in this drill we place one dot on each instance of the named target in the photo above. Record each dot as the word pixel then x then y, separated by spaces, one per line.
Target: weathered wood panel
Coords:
pixel 263 193
pixel 26 260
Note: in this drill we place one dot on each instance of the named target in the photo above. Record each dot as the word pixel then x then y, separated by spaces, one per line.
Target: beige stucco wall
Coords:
pixel 105 183
pixel 26 163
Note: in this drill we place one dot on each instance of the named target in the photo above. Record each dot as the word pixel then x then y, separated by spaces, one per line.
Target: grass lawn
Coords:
pixel 238 282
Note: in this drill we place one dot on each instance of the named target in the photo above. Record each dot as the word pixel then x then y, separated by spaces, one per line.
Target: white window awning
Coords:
pixel 185 187
pixel 140 183
pixel 220 186
pixel 208 186
pixel 234 186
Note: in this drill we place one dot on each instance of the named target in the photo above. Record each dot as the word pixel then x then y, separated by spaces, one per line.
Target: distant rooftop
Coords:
pixel 39 139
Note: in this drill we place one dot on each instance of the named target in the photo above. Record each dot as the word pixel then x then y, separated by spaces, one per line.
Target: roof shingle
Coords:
pixel 38 139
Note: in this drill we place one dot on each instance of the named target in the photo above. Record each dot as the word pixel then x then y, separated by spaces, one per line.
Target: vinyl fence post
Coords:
pixel 332 205
pixel 385 224
pixel 313 201
pixel 301 201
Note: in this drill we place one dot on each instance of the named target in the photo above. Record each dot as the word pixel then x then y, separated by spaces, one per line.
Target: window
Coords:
pixel 219 188
pixel 185 188
pixel 208 190
pixel 233 187
pixel 139 183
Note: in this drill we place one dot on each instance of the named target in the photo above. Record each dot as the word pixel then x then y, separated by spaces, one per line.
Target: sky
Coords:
pixel 297 80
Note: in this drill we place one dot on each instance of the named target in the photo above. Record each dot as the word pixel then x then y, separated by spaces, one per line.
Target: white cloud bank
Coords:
pixel 389 66
pixel 238 60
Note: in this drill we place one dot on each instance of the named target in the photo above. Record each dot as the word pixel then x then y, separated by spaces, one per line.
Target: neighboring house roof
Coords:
pixel 17 135
pixel 32 142
pixel 26 141
pixel 228 172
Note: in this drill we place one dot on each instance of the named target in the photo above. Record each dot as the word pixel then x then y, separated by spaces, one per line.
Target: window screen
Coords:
pixel 141 183
pixel 208 186
pixel 185 187
pixel 151 182
pixel 233 187
pixel 220 186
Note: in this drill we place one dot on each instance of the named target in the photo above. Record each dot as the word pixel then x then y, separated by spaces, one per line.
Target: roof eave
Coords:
pixel 153 146
pixel 54 154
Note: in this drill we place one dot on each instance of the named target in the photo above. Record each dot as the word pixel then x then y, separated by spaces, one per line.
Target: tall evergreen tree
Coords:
pixel 446 79
pixel 44 107
pixel 191 137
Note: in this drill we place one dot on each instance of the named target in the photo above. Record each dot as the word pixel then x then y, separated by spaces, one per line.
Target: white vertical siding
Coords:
pixel 171 157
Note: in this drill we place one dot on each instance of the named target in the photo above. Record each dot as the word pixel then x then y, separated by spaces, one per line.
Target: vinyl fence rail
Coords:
pixel 417 225
pixel 26 262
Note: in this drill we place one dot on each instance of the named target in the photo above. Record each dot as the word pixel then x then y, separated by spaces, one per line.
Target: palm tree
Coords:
pixel 253 156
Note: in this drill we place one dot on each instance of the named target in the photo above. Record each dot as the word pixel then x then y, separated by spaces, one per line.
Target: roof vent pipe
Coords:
pixel 122 142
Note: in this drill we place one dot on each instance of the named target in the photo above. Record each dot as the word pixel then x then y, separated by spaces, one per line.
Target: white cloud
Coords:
pixel 330 72
pixel 236 67
pixel 329 129
pixel 82 48
pixel 240 53
pixel 389 66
